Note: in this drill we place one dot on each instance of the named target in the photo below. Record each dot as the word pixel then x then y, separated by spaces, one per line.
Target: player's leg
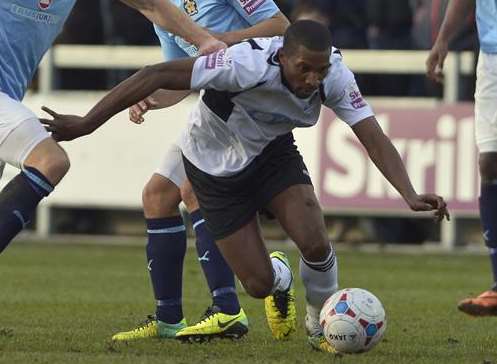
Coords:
pixel 486 139
pixel 229 207
pixel 220 277
pixel 246 254
pixel 166 248
pixel 300 215
pixel 25 144
pixel 288 194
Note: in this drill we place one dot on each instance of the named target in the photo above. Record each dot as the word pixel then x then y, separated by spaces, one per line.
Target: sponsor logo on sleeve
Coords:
pixel 44 4
pixel 250 6
pixel 217 60
pixel 356 99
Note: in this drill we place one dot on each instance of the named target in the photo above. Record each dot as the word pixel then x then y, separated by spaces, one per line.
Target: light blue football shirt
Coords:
pixel 27 29
pixel 486 20
pixel 218 16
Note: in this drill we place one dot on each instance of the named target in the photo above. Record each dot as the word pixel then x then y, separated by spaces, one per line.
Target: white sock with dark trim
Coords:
pixel 320 279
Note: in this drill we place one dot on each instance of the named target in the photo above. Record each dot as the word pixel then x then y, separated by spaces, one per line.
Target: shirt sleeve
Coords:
pixel 170 49
pixel 342 95
pixel 235 69
pixel 255 11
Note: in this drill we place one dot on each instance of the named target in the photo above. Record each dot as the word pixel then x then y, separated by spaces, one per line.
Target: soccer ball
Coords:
pixel 353 320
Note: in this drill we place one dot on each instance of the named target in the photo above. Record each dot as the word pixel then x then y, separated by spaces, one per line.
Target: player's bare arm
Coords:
pixel 169 17
pixel 388 161
pixel 158 100
pixel 174 75
pixel 457 11
pixel 271 27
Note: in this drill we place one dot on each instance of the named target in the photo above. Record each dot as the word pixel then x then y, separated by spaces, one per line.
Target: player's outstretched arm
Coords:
pixel 174 75
pixel 387 159
pixel 160 99
pixel 169 17
pixel 457 11
pixel 276 25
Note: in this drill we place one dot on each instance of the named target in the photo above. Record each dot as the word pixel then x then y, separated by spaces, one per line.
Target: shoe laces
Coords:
pixel 282 300
pixel 150 320
pixel 209 312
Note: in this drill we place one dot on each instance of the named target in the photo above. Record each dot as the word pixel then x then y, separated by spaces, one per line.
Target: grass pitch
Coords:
pixel 61 304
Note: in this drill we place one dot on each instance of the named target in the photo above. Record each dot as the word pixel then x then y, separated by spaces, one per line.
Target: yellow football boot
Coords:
pixel 215 324
pixel 280 308
pixel 315 335
pixel 151 328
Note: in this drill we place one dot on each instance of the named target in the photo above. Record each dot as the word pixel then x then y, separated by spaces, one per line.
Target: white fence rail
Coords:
pixel 360 61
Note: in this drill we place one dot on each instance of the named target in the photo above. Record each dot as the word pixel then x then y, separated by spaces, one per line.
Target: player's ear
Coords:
pixel 282 57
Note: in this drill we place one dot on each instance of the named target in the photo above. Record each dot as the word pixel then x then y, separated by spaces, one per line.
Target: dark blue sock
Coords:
pixel 488 216
pixel 18 201
pixel 219 275
pixel 165 254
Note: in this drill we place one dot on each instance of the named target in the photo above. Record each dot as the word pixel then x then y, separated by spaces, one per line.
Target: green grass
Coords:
pixel 61 304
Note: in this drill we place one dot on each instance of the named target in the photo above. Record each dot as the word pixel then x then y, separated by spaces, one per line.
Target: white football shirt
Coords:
pixel 246 105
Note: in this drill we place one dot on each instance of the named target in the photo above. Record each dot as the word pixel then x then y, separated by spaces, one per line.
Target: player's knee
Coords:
pixel 260 286
pixel 54 165
pixel 159 200
pixel 318 251
pixel 488 167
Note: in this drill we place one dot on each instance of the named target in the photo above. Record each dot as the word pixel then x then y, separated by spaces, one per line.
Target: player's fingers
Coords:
pixel 143 106
pixel 133 116
pixel 49 111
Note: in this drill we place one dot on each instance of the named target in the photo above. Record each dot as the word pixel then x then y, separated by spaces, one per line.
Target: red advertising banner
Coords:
pixel 437 146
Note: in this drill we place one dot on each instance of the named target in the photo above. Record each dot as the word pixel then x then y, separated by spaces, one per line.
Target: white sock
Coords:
pixel 282 275
pixel 320 279
pixel 312 320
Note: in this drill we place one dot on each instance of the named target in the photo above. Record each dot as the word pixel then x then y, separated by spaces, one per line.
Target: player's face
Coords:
pixel 304 70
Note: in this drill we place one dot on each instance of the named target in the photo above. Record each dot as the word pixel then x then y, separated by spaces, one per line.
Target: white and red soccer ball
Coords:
pixel 353 320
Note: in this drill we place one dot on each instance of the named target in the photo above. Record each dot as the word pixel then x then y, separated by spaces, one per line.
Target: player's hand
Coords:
pixel 65 127
pixel 224 37
pixel 435 61
pixel 137 111
pixel 210 45
pixel 430 202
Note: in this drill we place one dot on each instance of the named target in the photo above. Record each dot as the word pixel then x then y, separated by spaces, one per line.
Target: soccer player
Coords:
pixel 239 154
pixel 27 30
pixel 232 22
pixel 485 127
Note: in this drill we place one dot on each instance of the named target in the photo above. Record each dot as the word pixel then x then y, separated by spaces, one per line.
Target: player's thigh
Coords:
pixel 488 167
pixel 171 166
pixel 20 131
pixel 299 213
pixel 161 195
pixel 246 254
pixel 486 111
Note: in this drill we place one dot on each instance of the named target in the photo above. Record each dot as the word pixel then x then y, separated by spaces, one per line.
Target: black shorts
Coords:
pixel 229 203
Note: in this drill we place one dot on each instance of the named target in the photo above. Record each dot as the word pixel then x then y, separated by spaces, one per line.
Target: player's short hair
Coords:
pixel 310 34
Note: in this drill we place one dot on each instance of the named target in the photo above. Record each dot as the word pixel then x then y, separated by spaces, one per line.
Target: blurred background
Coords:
pixel 384 42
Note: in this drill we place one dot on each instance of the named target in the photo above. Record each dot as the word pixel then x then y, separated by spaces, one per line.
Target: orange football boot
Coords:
pixel 483 305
